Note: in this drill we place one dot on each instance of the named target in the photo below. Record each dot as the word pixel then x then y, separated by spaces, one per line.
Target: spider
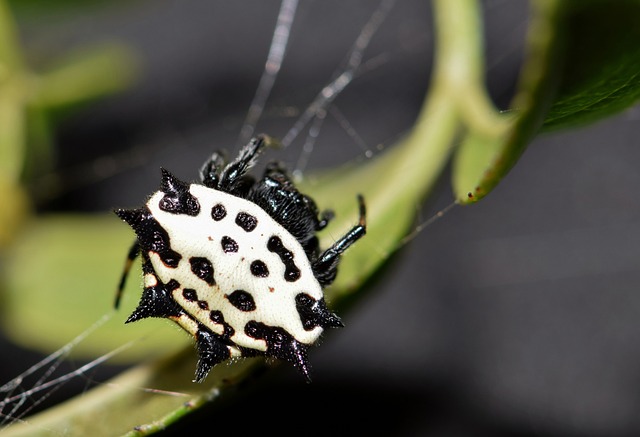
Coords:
pixel 236 262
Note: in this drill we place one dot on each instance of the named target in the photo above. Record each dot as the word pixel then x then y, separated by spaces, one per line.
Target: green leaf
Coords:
pixel 582 64
pixel 600 59
pixel 477 172
pixel 74 286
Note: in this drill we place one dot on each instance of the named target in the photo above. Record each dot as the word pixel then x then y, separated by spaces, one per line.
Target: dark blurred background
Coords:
pixel 515 316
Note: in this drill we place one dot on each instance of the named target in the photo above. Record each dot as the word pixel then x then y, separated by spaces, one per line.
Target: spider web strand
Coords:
pixel 335 87
pixel 272 66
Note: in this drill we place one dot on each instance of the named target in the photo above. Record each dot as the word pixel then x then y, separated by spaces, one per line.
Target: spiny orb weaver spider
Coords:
pixel 236 262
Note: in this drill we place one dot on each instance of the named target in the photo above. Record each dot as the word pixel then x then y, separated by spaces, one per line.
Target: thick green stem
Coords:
pixel 460 64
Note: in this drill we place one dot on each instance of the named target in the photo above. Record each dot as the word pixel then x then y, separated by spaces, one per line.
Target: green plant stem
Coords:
pixel 456 99
pixel 460 64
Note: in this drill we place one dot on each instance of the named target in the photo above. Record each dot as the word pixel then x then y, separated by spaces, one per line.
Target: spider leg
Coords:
pixel 131 256
pixel 325 267
pixel 325 217
pixel 210 170
pixel 233 173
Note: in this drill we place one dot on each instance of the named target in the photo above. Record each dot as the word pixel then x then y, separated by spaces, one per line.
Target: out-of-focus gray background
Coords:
pixel 516 316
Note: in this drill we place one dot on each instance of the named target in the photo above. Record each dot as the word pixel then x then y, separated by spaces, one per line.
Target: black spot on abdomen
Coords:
pixel 203 269
pixel 292 272
pixel 242 300
pixel 259 269
pixel 246 221
pixel 229 245
pixel 218 212
pixel 216 317
pixel 190 294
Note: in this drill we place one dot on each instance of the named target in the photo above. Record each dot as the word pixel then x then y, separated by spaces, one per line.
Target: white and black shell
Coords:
pixel 236 262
